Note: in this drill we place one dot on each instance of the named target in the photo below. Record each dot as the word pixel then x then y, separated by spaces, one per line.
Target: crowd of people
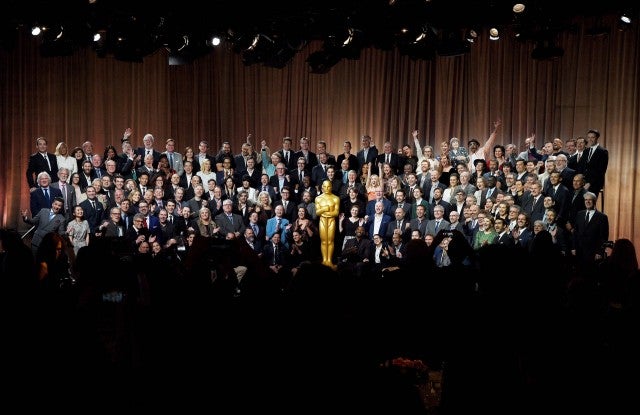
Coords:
pixel 231 227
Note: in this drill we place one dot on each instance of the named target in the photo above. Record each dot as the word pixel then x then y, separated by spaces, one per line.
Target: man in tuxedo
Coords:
pixel 367 153
pixel 43 195
pixel 86 175
pixel 503 236
pixel 41 161
pixel 147 149
pixel 591 230
pixel 288 156
pixel 596 163
pixel 228 221
pixel 533 203
pixel 45 221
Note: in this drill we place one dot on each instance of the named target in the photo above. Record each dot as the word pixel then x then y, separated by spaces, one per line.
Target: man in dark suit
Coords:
pixel 591 230
pixel 533 203
pixel 147 140
pixel 45 221
pixel 41 161
pixel 400 223
pixel 290 206
pixel 351 158
pixel 42 196
pixel 287 154
pixel 113 227
pixel 93 210
pixel 575 201
pixel 389 157
pixel 228 221
pixel 596 163
pixel 368 153
pixel 503 236
pixel 309 156
pixel 279 180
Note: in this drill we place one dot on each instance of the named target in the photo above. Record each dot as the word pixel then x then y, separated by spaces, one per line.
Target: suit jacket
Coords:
pixel 125 166
pixel 38 201
pixel 271 229
pixel 393 225
pixel 312 159
pixel 576 163
pixel 596 168
pixel 372 155
pixel 142 152
pixel 588 237
pixel 318 175
pixel 382 231
pixel 70 198
pixel 534 210
pixel 371 206
pixel 344 190
pixel 227 227
pixel 38 164
pixel 177 162
pixel 292 163
pixel 421 226
pixel 575 204
pixel 506 239
pixel 44 225
pixel 353 162
pixel 271 256
pixel 291 211
pixel 111 230
pixel 395 162
pixel 431 226
pixel 274 182
pixel 93 216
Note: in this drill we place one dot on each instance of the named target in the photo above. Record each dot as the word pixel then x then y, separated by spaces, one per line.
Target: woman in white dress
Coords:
pixel 64 159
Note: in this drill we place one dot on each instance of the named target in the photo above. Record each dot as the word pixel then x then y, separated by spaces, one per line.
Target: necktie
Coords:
pixel 230 218
pixel 51 214
pixel 301 175
pixel 46 196
pixel 93 204
pixel 148 152
pixel 284 204
pixel 579 157
pixel 144 189
pixel 286 157
pixel 275 254
pixel 63 188
pixel 388 158
pixel 399 224
pixel 48 162
pixel 255 229
pixel 588 217
pixel 144 223
pixel 98 173
pixel 437 225
pixel 590 154
pixel 264 188
pixel 277 224
pixel 171 159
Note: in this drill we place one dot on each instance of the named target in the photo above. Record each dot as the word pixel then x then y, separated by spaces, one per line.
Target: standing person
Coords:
pixel 485 152
pixel 78 230
pixel 66 190
pixel 45 221
pixel 148 150
pixel 327 207
pixel 367 153
pixel 175 159
pixel 41 161
pixel 591 230
pixel 596 163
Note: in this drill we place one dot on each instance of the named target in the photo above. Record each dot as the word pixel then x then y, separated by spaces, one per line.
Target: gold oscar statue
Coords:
pixel 327 208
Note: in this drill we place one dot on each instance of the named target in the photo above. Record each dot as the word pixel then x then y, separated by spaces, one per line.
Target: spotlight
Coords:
pixel 518 8
pixel 625 18
pixel 471 35
pixel 36 30
pixel 215 41
pixel 494 34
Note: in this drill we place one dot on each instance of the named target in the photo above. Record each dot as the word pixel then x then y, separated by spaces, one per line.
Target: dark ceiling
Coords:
pixel 136 28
